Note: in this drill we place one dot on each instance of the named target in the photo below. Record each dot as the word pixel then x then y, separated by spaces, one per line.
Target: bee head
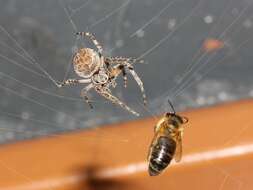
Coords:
pixel 175 119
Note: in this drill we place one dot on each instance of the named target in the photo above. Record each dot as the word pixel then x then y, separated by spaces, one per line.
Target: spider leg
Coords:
pixel 124 76
pixel 138 80
pixel 126 62
pixel 120 69
pixel 84 92
pixel 105 92
pixel 93 39
pixel 120 60
pixel 73 82
pixel 116 70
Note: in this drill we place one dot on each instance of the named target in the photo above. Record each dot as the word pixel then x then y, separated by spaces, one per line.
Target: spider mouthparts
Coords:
pixel 59 85
pixel 90 105
pixel 137 114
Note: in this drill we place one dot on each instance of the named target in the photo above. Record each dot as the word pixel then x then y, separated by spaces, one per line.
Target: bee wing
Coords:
pixel 152 145
pixel 178 154
pixel 149 151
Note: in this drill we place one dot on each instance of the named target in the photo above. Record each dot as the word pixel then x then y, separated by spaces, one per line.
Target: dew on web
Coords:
pixel 140 33
pixel 172 23
pixel 208 19
pixel 247 23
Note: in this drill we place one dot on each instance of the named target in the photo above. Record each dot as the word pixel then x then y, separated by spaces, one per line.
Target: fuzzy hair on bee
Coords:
pixel 167 142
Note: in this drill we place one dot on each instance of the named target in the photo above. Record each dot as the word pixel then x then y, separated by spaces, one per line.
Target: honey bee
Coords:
pixel 167 142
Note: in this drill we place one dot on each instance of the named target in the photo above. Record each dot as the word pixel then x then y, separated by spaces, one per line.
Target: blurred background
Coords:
pixel 196 52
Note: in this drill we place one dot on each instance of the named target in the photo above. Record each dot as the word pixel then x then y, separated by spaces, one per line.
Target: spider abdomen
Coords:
pixel 86 62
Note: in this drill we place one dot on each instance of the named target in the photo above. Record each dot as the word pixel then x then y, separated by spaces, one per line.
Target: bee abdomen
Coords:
pixel 161 155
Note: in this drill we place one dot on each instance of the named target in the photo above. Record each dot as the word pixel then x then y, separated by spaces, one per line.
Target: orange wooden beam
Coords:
pixel 217 154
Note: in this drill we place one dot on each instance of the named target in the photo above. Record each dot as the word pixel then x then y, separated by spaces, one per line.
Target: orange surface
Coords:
pixel 217 154
pixel 211 45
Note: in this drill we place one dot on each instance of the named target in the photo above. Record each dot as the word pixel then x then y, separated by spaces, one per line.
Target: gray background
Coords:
pixel 44 30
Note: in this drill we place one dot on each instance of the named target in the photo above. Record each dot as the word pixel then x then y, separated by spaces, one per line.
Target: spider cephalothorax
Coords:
pixel 101 72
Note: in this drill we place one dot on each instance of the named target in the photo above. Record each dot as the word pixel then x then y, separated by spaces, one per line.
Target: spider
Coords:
pixel 100 72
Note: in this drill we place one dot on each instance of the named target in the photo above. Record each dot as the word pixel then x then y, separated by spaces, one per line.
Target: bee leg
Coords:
pixel 84 92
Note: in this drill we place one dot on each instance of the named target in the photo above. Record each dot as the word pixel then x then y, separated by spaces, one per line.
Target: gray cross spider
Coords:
pixel 101 72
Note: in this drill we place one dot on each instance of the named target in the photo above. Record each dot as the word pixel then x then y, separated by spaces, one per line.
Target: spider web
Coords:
pixel 169 37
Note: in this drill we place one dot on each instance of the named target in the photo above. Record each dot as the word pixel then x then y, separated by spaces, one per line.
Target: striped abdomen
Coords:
pixel 161 155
